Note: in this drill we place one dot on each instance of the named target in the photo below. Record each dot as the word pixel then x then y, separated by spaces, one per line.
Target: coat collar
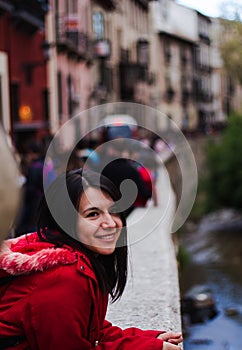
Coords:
pixel 27 254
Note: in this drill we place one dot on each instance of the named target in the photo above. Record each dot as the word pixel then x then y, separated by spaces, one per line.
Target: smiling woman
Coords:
pixel 99 227
pixel 55 284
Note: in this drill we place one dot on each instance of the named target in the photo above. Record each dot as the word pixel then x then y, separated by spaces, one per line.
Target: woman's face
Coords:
pixel 98 228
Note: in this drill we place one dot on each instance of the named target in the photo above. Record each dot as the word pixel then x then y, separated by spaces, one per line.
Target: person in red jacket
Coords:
pixel 55 283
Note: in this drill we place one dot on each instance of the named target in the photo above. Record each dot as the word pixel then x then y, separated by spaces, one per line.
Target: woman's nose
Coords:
pixel 108 221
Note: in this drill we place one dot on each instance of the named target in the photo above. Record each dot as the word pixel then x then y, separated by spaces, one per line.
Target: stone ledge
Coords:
pixel 152 298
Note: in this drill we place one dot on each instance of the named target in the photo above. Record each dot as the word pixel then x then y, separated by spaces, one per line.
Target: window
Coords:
pixel 45 99
pixel 74 6
pixel 15 101
pixel 71 6
pixel 69 89
pixel 197 59
pixel 203 27
pixel 143 52
pixel 183 55
pixel 167 50
pixel 108 78
pixel 60 97
pixel 98 25
pixel 124 55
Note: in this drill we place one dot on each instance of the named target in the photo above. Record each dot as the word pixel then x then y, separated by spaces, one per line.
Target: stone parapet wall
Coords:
pixel 152 298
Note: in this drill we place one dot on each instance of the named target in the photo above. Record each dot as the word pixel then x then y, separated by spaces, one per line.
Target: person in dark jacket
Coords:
pixel 55 283
pixel 38 172
pixel 117 166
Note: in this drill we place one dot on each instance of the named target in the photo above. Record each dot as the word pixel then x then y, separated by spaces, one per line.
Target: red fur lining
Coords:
pixel 27 254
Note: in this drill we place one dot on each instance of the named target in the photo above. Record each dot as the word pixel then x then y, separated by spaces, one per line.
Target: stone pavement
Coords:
pixel 151 299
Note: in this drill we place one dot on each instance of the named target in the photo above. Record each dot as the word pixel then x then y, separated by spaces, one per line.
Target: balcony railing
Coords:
pixel 204 67
pixel 204 37
pixel 71 40
pixel 203 96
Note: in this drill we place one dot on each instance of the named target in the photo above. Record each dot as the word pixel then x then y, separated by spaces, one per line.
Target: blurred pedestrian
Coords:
pixel 148 170
pixel 83 156
pixel 143 159
pixel 55 284
pixel 37 175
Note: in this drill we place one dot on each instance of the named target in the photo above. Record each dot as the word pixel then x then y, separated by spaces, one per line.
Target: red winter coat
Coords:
pixel 56 303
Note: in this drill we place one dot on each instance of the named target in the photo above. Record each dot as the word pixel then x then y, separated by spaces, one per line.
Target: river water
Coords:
pixel 215 261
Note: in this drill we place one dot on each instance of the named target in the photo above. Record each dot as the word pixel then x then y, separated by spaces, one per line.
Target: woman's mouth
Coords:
pixel 108 237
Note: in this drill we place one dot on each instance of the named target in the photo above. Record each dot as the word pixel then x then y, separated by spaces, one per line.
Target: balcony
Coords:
pixel 205 38
pixel 108 4
pixel 204 96
pixel 71 40
pixel 203 67
pixel 143 3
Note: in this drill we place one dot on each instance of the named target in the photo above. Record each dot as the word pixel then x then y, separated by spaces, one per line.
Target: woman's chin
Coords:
pixel 106 251
pixel 103 250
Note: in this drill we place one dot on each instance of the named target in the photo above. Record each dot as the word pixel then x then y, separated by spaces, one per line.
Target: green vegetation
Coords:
pixel 231 38
pixel 200 207
pixel 183 257
pixel 223 183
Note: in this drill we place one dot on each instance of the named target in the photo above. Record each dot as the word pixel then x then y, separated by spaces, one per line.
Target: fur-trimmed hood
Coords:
pixel 27 254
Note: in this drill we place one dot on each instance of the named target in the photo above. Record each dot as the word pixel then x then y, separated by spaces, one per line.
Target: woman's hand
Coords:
pixel 168 346
pixel 171 340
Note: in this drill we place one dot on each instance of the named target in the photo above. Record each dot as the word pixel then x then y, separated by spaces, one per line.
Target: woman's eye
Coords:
pixel 92 214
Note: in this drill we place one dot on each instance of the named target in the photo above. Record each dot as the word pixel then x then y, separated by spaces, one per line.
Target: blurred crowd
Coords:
pixel 119 160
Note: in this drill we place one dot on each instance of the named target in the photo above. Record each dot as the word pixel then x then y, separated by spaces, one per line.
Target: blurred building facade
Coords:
pixel 24 108
pixel 59 58
pixel 227 93
pixel 70 68
pixel 174 51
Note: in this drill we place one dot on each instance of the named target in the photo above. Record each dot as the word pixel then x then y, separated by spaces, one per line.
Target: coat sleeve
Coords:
pixel 58 313
pixel 113 337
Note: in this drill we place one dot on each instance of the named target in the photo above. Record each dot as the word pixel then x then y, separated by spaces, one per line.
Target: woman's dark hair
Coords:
pixel 57 221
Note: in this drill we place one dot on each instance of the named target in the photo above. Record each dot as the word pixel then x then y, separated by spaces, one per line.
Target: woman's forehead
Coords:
pixel 96 198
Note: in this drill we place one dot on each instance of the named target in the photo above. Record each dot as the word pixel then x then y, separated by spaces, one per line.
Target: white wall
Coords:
pixel 175 19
